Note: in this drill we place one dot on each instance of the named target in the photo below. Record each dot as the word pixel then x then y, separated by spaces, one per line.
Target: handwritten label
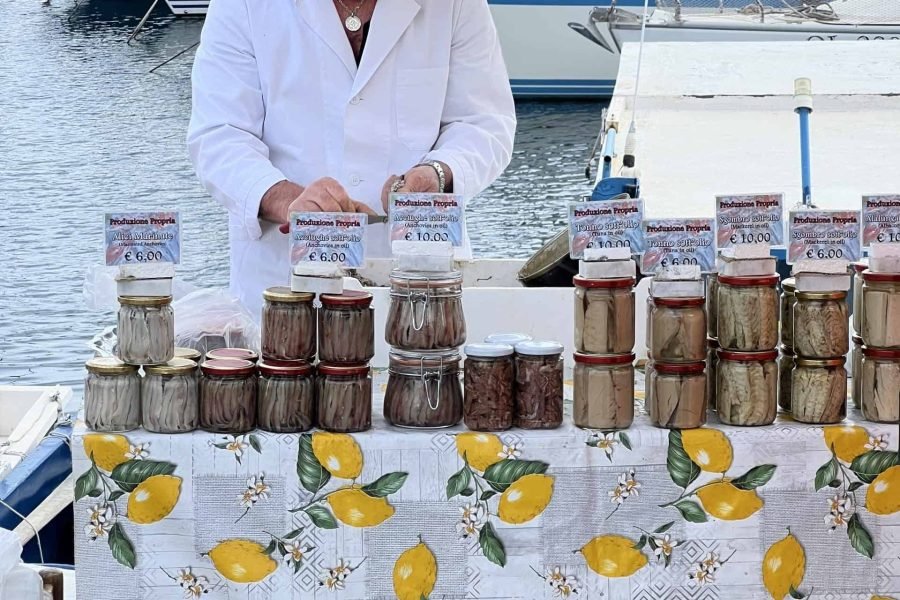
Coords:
pixel 824 235
pixel 749 219
pixel 605 224
pixel 338 238
pixel 428 218
pixel 675 242
pixel 881 220
pixel 142 237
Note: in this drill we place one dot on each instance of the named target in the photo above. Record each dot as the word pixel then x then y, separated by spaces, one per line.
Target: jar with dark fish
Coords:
pixel 288 325
pixel 490 381
pixel 286 397
pixel 170 397
pixel 539 385
pixel 346 328
pixel 345 398
pixel 112 395
pixel 424 389
pixel 426 312
pixel 228 396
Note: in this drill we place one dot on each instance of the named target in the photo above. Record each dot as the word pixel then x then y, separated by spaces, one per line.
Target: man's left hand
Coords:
pixel 420 179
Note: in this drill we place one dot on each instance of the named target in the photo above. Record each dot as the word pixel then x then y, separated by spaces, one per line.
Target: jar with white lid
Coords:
pixel 747 387
pixel 423 389
pixel 676 329
pixel 788 298
pixel 490 380
pixel 112 395
pixel 426 312
pixel 286 398
pixel 712 363
pixel 604 391
pixel 539 385
pixel 345 398
pixel 676 395
pixel 747 312
pixel 604 315
pixel 856 356
pixel 170 397
pixel 228 396
pixel 819 390
pixel 712 304
pixel 346 328
pixel 881 310
pixel 288 325
pixel 821 324
pixel 880 385
pixel 233 354
pixel 146 330
pixel 510 339
pixel 785 373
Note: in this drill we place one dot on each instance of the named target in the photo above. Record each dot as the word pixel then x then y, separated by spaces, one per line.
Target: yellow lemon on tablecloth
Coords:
pixel 107 449
pixel 525 499
pixel 338 453
pixel 415 573
pixel 354 507
pixel 153 499
pixel 883 495
pixel 724 501
pixel 848 441
pixel 783 566
pixel 480 449
pixel 709 448
pixel 613 556
pixel 242 561
pixel 882 598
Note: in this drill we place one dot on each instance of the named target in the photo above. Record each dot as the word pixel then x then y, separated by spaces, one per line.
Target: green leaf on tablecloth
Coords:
pixel 668 559
pixel 491 546
pixel 855 486
pixel 835 484
pixel 95 493
pixel 754 478
pixel 115 495
pixel 132 473
pixel 282 549
pixel 860 538
pixel 873 463
pixel 640 543
pixel 652 543
pixel 321 517
pixel 682 469
pixel 254 443
pixel 458 482
pixel 691 511
pixel 502 474
pixel 293 534
pixel 86 484
pixel 313 477
pixel 826 474
pixel 121 547
pixel 796 594
pixel 487 495
pixel 222 445
pixel 664 528
pixel 626 441
pixel 467 492
pixel 297 567
pixel 386 485
pixel 271 547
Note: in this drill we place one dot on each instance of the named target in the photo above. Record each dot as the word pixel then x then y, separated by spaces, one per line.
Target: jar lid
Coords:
pixel 145 300
pixel 277 362
pixel 679 302
pixel 343 370
pixel 749 281
pixel 886 353
pixel 691 368
pixel 510 339
pixel 228 366
pixel 232 353
pixel 188 353
pixel 712 342
pixel 604 359
pixel 789 285
pixel 786 351
pixel 176 366
pixel 860 266
pixel 297 368
pixel 748 356
pixel 821 362
pixel 283 293
pixel 880 277
pixel 835 295
pixel 425 279
pixel 857 340
pixel 109 365
pixel 539 348
pixel 618 282
pixel 348 298
pixel 489 350
pixel 405 358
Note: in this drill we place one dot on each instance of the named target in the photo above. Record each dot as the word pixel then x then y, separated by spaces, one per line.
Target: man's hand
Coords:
pixel 422 179
pixel 324 195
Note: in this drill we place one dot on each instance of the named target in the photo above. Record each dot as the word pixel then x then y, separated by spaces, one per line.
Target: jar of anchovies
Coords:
pixel 490 380
pixel 423 389
pixel 346 328
pixel 604 315
pixel 233 354
pixel 819 390
pixel 539 385
pixel 288 325
pixel 345 398
pixel 146 330
pixel 880 385
pixel 228 396
pixel 676 394
pixel 112 395
pixel 788 289
pixel 426 312
pixel 286 400
pixel 821 324
pixel 170 397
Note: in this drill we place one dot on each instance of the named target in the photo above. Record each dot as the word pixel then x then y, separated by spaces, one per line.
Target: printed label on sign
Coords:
pixel 605 224
pixel 428 218
pixel 338 238
pixel 142 237
pixel 824 235
pixel 749 219
pixel 676 242
pixel 881 220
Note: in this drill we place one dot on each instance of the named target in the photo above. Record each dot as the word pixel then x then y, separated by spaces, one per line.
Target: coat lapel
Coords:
pixel 390 20
pixel 321 16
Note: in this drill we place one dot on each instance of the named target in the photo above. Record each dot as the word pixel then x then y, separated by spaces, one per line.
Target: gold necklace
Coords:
pixel 352 22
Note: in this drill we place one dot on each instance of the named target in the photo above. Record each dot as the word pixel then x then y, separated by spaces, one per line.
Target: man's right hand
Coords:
pixel 324 195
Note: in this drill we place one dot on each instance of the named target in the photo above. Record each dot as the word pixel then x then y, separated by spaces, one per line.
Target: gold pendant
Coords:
pixel 352 23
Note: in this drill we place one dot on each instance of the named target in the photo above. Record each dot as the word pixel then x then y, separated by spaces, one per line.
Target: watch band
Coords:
pixel 439 169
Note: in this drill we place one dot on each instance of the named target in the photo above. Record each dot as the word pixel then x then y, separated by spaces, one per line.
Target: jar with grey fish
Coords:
pixel 821 324
pixel 748 313
pixel 747 387
pixel 426 312
pixel 346 328
pixel 286 399
pixel 170 397
pixel 604 391
pixel 819 390
pixel 345 398
pixel 676 330
pixel 112 395
pixel 146 330
pixel 228 396
pixel 880 385
pixel 676 395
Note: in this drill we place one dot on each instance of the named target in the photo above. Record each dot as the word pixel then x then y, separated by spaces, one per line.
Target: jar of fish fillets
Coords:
pixel 228 394
pixel 346 328
pixel 170 397
pixel 748 313
pixel 288 325
pixel 146 330
pixel 426 312
pixel 604 315
pixel 112 395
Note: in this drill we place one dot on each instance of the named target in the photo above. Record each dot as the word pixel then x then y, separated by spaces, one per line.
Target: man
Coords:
pixel 329 105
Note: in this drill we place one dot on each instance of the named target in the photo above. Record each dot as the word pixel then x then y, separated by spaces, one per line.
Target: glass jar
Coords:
pixel 712 363
pixel 170 397
pixel 786 360
pixel 604 391
pixel 112 395
pixel 747 387
pixel 748 313
pixel 146 330
pixel 712 304
pixel 288 325
pixel 880 386
pixel 490 380
pixel 856 356
pixel 881 310
pixel 539 385
pixel 788 289
pixel 423 389
pixel 819 390
pixel 345 398
pixel 233 354
pixel 676 330
pixel 604 315
pixel 510 339
pixel 858 268
pixel 675 396
pixel 426 311
pixel 286 397
pixel 346 328
pixel 188 353
pixel 821 324
pixel 228 394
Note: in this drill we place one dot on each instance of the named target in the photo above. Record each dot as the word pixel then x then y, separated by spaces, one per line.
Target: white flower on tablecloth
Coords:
pixel 470 512
pixel 878 443
pixel 511 452
pixel 259 486
pixel 566 588
pixel 138 451
pixel 341 571
pixel 236 444
pixel 296 552
pixel 467 529
pixel 100 513
pixel 629 483
pixel 840 510
pixel 712 562
pixel 554 577
pixel 331 583
pixel 185 578
pixel 618 494
pixel 607 443
pixel 702 575
pixel 94 531
pixel 100 522
pixel 664 545
pixel 247 498
pixel 197 588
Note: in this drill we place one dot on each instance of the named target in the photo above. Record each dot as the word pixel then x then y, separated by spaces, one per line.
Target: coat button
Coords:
pixel 354 100
pixel 354 180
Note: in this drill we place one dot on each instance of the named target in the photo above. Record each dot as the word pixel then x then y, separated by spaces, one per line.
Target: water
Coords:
pixel 86 129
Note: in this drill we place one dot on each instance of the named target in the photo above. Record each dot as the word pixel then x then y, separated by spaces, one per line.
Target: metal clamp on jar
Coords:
pixel 426 312
pixel 423 390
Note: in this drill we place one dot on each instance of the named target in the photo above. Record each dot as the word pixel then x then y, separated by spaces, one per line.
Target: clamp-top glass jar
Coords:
pixel 539 385
pixel 881 310
pixel 170 397
pixel 228 394
pixel 146 330
pixel 112 395
pixel 288 325
pixel 345 398
pixel 287 397
pixel 748 313
pixel 604 315
pixel 426 311
pixel 346 328
pixel 423 389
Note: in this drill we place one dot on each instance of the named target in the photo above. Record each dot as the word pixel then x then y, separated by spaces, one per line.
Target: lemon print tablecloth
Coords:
pixel 785 511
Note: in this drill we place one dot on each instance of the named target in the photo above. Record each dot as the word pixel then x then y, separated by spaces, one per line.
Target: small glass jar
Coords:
pixel 490 380
pixel 423 390
pixel 676 330
pixel 819 390
pixel 112 395
pixel 233 354
pixel 747 387
pixel 604 391
pixel 856 356
pixel 748 313
pixel 288 325
pixel 712 363
pixel 604 315
pixel 712 304
pixel 821 324
pixel 676 394
pixel 346 328
pixel 189 354
pixel 345 398
pixel 788 289
pixel 510 339
pixel 146 330
pixel 539 385
pixel 881 310
pixel 426 312
pixel 170 397
pixel 786 363
pixel 228 394
pixel 286 399
pixel 880 386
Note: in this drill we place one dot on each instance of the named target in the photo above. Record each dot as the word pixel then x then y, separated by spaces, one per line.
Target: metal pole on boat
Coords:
pixel 803 96
pixel 628 159
pixel 140 25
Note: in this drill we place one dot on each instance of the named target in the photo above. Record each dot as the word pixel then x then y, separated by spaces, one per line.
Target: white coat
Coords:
pixel 277 95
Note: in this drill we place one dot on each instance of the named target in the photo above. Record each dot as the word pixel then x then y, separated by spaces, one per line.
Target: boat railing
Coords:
pixel 859 12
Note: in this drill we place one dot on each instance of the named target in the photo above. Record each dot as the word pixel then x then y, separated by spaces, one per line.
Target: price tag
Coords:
pixel 749 219
pixel 428 218
pixel 881 220
pixel 676 242
pixel 824 235
pixel 142 237
pixel 605 224
pixel 338 238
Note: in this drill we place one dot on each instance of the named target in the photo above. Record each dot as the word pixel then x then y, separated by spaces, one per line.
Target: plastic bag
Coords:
pixel 207 319
pixel 99 289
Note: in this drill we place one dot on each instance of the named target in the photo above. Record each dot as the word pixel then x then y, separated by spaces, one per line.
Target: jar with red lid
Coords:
pixel 604 315
pixel 287 397
pixel 819 390
pixel 785 372
pixel 747 312
pixel 346 328
pixel 821 324
pixel 228 394
pixel 233 354
pixel 881 310
pixel 345 398
pixel 856 356
pixel 288 325
pixel 747 387
pixel 423 389
pixel 880 385
pixel 604 391
pixel 676 329
pixel 676 394
pixel 490 381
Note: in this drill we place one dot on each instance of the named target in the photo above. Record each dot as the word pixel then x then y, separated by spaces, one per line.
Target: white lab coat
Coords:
pixel 277 95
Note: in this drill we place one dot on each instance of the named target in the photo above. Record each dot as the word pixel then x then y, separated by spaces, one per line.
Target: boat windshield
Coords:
pixel 860 12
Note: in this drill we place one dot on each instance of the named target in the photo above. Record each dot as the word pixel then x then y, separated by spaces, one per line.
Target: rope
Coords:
pixel 25 520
